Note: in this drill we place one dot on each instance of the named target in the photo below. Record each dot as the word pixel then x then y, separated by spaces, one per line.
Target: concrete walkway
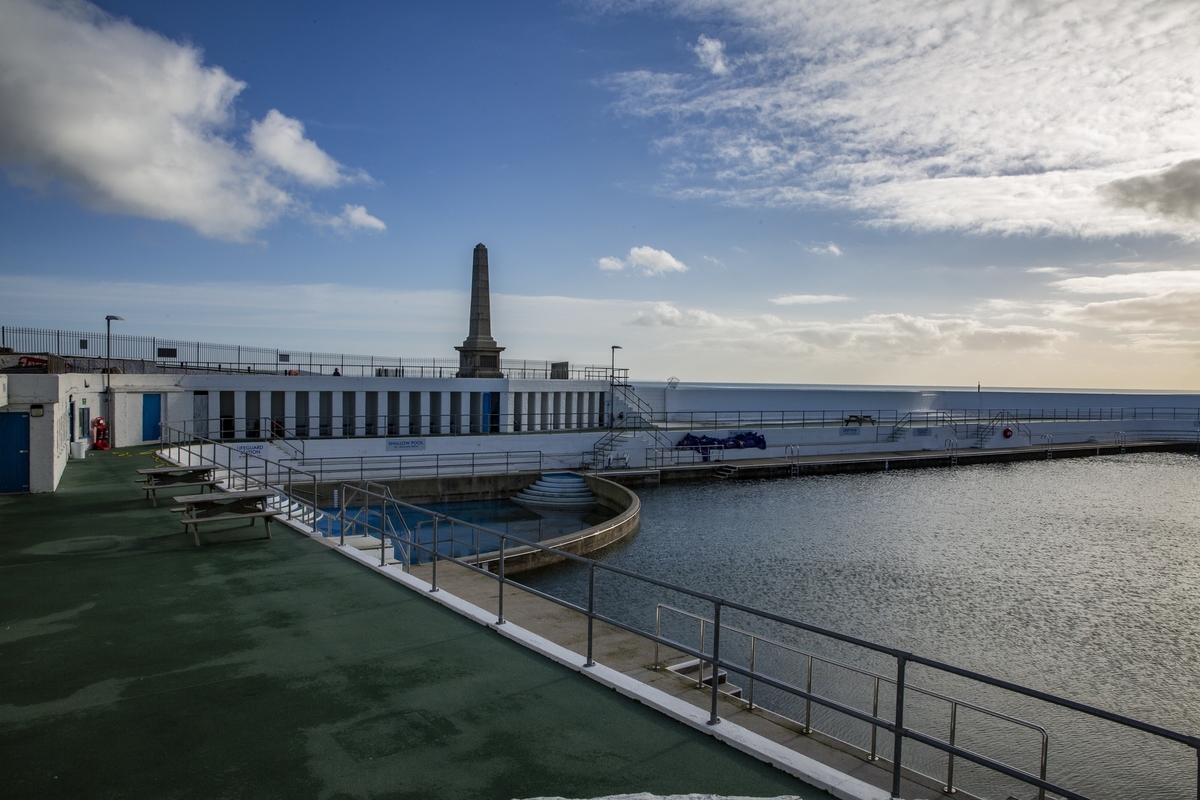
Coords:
pixel 138 665
pixel 634 657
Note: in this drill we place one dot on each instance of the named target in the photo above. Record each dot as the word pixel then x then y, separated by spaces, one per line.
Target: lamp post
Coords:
pixel 612 380
pixel 108 321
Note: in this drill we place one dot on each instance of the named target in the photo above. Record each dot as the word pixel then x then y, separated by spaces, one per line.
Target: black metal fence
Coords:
pixel 178 354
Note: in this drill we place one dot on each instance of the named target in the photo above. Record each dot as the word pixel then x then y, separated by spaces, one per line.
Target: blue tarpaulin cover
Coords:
pixel 742 440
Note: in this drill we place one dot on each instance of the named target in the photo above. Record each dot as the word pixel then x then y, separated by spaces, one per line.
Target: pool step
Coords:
pixel 556 490
pixel 688 669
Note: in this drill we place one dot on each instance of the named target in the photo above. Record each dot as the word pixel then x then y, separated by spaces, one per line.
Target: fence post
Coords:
pixel 500 599
pixel 901 663
pixel 592 612
pixel 342 517
pixel 713 719
pixel 434 558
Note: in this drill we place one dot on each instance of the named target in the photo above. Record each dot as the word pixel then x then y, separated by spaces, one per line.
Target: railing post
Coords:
pixel 592 613
pixel 434 558
pixel 750 701
pixel 382 541
pixel 658 633
pixel 500 598
pixel 949 787
pixel 807 701
pixel 901 664
pixel 874 727
pixel 713 719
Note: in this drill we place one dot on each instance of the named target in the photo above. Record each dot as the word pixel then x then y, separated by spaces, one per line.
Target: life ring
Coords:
pixel 1008 432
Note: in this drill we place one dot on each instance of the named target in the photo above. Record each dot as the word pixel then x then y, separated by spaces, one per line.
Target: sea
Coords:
pixel 1078 577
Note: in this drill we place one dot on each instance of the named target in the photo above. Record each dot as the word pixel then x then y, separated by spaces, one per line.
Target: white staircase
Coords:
pixel 556 490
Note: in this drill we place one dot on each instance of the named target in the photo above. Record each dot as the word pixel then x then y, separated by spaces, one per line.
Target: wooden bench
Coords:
pixel 157 478
pixel 198 509
pixel 861 419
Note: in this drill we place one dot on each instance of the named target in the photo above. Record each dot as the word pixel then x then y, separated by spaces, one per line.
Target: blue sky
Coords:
pixel 738 190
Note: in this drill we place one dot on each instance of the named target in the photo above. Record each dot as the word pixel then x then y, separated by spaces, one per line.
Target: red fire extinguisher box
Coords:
pixel 100 434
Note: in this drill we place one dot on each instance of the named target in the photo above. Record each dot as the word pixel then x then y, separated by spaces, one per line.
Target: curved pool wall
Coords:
pixel 623 503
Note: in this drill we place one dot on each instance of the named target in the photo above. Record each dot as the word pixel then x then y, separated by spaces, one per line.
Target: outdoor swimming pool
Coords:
pixel 1079 577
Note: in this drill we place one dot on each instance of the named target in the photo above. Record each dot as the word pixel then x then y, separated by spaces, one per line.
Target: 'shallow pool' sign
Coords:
pixel 404 445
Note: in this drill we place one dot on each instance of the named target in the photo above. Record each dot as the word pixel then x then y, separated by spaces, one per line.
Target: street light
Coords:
pixel 612 380
pixel 108 321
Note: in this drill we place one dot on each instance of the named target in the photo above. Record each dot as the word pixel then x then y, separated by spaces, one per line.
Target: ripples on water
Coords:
pixel 1080 577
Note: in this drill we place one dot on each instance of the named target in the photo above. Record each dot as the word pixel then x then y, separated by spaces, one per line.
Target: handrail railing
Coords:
pixel 424 465
pixel 243 469
pixel 878 679
pixel 717 662
pixel 180 355
pixel 934 418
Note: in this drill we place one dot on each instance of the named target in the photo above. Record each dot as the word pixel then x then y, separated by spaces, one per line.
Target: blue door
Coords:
pixel 14 453
pixel 151 417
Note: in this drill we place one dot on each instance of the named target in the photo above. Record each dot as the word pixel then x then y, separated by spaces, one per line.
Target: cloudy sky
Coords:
pixel 817 191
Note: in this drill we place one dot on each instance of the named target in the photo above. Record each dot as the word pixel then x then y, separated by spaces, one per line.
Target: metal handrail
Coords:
pixel 334 468
pixel 902 658
pixel 1047 440
pixel 947 418
pixel 277 477
pixel 878 679
pixel 206 356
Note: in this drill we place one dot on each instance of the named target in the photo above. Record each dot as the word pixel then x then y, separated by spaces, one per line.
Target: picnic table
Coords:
pixel 157 478
pixel 225 507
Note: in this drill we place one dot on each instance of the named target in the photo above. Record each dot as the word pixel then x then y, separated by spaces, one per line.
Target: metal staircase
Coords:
pixel 637 419
pixel 935 419
pixel 985 430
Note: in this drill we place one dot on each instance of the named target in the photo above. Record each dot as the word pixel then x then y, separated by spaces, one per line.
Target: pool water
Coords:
pixel 459 540
pixel 1079 577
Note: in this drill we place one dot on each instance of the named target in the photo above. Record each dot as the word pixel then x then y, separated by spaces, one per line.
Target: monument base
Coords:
pixel 479 362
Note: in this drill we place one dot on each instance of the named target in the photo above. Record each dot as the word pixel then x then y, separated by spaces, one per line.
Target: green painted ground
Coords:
pixel 137 665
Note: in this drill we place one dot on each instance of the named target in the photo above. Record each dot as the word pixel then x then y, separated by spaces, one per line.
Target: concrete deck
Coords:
pixel 138 665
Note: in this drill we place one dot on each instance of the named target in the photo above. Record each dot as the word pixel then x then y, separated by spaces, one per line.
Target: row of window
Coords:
pixel 390 413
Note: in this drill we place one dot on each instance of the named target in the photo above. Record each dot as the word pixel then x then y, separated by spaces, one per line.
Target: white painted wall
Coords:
pixel 126 424
pixel 49 434
pixel 710 397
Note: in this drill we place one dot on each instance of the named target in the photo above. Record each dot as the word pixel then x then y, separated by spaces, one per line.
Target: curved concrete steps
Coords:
pixel 556 490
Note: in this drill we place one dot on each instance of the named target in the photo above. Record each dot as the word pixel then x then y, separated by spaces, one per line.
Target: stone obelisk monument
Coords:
pixel 479 356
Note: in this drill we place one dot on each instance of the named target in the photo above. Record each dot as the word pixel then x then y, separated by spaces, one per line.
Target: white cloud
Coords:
pixel 1167 301
pixel 711 53
pixel 646 259
pixel 1146 283
pixel 667 315
pixel 354 218
pixel 1081 119
pixel 131 122
pixel 1044 270
pixel 826 249
pixel 279 141
pixel 808 299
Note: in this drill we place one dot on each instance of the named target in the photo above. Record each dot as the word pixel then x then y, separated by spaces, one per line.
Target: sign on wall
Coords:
pixel 252 448
pixel 404 445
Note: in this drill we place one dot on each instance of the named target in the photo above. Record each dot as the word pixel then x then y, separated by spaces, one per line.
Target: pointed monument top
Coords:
pixel 479 356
